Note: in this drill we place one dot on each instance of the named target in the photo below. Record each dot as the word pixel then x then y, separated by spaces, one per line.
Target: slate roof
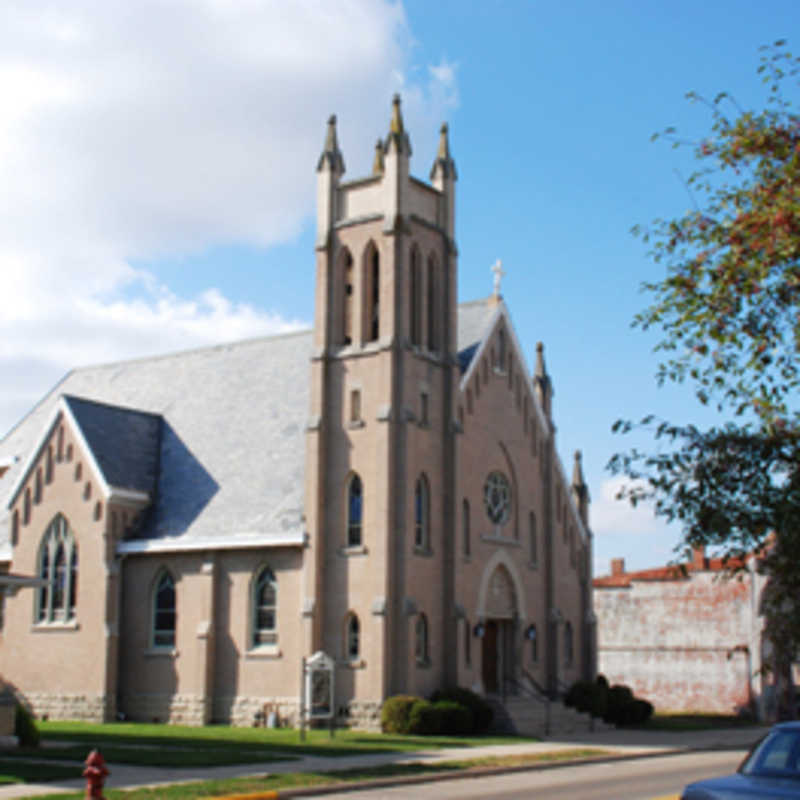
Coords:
pixel 125 442
pixel 220 429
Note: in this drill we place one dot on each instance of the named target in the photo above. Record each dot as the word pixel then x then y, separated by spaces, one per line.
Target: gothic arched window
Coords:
pixel 372 293
pixel 421 643
pixel 422 513
pixel 352 637
pixel 415 298
pixel 465 527
pixel 58 567
pixel 355 512
pixel 569 644
pixel 433 311
pixel 533 538
pixel 164 611
pixel 265 604
pixel 347 280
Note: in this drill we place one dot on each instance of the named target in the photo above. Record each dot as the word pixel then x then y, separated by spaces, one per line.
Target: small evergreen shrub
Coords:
pixel 482 713
pixel 588 697
pixel 456 719
pixel 395 713
pixel 25 728
pixel 424 719
pixel 640 711
pixel 626 709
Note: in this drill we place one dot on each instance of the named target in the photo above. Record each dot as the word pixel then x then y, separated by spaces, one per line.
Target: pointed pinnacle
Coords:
pixel 577 472
pixel 444 145
pixel 396 125
pixel 377 164
pixel 331 145
pixel 540 370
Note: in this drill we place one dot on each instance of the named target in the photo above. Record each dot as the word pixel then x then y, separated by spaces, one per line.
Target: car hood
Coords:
pixel 743 787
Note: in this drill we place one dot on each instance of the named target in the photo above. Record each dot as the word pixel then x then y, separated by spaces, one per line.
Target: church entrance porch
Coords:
pixel 497 654
pixel 499 615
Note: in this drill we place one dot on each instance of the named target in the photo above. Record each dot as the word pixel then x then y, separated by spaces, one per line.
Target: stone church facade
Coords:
pixel 384 488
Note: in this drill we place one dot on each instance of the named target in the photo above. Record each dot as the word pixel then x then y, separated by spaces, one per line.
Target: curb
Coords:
pixel 436 777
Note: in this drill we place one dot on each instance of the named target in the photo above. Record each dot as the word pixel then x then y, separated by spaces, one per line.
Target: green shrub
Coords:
pixel 424 719
pixel 588 697
pixel 601 680
pixel 25 728
pixel 626 709
pixel 395 713
pixel 481 711
pixel 457 719
pixel 639 711
pixel 578 695
pixel 599 699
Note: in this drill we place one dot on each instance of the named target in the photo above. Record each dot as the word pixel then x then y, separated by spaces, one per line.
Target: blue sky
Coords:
pixel 158 169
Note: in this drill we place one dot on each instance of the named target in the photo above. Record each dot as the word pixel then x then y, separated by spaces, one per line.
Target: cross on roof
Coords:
pixel 497 269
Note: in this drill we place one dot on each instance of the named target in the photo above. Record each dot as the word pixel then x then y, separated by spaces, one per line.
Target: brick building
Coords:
pixel 688 637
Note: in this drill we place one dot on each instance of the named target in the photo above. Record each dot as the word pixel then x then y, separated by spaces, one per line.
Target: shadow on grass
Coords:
pixel 697 722
pixel 15 771
pixel 178 746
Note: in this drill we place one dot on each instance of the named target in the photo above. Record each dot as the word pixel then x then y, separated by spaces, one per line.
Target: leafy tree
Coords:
pixel 729 315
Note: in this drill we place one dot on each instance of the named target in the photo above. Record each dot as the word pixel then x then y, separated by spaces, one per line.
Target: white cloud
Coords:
pixel 612 516
pixel 634 534
pixel 133 131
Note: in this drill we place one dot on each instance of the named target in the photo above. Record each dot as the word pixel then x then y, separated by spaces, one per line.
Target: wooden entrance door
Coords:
pixel 489 657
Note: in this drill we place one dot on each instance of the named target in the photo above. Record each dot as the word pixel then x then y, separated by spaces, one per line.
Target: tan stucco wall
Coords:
pixel 61 668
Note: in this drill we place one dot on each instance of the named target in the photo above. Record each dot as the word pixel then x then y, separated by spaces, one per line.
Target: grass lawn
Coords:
pixel 210 789
pixel 217 745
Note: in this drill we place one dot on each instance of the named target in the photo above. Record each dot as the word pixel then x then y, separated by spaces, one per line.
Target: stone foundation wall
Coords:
pixel 88 708
pixel 244 711
pixel 178 709
pixel 363 715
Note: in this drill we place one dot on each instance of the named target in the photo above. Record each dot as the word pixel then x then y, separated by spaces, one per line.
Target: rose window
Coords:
pixel 497 498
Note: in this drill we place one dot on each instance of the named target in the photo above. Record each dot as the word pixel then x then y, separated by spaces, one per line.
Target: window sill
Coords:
pixel 490 538
pixel 161 652
pixel 466 559
pixel 266 651
pixel 533 565
pixel 353 550
pixel 425 552
pixel 54 627
pixel 356 424
pixel 357 663
pixel 423 663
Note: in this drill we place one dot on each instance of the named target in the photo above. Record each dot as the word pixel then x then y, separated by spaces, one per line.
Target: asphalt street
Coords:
pixel 644 779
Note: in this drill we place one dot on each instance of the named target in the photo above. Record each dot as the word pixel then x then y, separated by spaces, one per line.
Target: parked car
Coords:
pixel 771 770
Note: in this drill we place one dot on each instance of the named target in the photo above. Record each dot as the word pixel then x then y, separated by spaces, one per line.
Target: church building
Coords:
pixel 384 488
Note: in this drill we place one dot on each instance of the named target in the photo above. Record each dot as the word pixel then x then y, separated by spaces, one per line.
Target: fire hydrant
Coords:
pixel 95 774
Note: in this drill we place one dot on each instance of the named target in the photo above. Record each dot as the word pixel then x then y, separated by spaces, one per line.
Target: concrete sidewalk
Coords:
pixel 621 743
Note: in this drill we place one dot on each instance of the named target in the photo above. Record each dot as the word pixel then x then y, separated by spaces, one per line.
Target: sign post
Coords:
pixel 317 695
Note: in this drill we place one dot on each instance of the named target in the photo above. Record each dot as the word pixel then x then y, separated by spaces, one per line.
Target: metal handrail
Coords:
pixel 536 693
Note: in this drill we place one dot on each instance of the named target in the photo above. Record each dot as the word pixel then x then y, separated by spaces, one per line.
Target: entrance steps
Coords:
pixel 528 716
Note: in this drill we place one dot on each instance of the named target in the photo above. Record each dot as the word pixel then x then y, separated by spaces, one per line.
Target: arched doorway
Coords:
pixel 499 635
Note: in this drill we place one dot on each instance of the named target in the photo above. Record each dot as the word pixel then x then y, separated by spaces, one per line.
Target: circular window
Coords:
pixel 497 498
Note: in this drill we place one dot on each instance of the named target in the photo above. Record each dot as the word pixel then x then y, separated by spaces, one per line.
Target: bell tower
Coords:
pixel 380 444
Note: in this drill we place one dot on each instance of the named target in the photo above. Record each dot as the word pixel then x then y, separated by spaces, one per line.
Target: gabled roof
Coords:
pixel 124 442
pixel 221 431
